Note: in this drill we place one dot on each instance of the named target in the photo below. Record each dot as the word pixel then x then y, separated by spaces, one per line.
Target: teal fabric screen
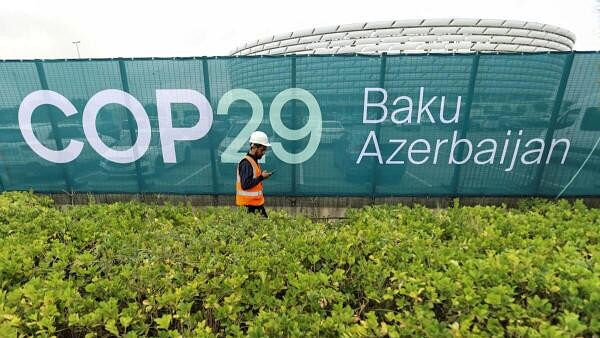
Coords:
pixel 343 125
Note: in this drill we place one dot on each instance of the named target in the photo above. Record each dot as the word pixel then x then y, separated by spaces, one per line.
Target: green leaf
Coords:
pixel 163 322
pixel 111 327
pixel 493 299
pixel 125 321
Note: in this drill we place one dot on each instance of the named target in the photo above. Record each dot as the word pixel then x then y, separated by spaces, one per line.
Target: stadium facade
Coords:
pixel 452 35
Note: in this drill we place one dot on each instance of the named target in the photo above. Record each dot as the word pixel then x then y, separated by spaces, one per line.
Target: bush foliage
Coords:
pixel 130 269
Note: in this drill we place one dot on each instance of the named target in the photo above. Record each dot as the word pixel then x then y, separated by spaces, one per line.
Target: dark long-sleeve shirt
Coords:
pixel 247 175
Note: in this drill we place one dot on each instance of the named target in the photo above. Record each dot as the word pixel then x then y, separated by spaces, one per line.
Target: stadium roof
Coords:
pixel 416 36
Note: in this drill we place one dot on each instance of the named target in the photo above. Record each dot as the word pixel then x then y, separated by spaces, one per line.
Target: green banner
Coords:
pixel 345 125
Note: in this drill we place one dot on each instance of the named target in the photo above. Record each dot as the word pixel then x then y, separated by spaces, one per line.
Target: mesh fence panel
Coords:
pixel 344 125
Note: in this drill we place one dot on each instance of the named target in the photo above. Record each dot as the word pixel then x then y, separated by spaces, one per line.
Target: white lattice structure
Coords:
pixel 417 36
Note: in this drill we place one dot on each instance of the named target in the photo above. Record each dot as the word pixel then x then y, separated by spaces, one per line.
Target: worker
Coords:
pixel 249 186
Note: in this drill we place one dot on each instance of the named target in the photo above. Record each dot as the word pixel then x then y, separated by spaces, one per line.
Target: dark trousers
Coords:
pixel 252 210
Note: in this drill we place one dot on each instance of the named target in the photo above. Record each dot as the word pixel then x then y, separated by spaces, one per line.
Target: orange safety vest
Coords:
pixel 253 196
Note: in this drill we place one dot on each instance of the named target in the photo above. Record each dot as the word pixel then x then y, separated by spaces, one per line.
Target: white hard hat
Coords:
pixel 258 137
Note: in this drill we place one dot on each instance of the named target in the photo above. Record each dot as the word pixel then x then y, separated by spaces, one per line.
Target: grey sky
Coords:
pixel 111 28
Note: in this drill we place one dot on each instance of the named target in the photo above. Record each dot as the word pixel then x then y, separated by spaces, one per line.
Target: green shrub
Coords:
pixel 130 269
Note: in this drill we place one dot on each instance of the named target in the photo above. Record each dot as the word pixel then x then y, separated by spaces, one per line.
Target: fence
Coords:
pixel 344 125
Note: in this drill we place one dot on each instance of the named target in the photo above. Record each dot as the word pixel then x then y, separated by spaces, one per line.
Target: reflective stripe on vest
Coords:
pixel 253 196
pixel 249 193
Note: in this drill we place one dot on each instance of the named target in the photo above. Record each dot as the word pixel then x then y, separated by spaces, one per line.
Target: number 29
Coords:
pixel 313 126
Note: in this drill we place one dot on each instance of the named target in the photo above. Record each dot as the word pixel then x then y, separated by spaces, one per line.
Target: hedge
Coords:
pixel 132 269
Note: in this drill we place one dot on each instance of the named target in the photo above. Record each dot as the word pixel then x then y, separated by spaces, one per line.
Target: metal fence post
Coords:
pixel 466 121
pixel 295 124
pixel 375 169
pixel 54 127
pixel 138 169
pixel 2 185
pixel 213 160
pixel 555 110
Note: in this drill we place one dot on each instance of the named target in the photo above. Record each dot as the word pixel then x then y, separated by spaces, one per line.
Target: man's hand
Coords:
pixel 266 174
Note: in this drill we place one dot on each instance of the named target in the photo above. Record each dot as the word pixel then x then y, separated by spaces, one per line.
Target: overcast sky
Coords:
pixel 120 28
